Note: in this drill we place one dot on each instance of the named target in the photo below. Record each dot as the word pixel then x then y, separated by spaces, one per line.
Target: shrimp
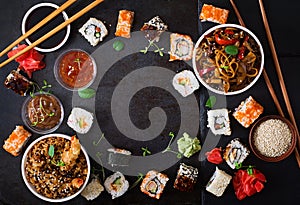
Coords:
pixel 70 155
pixel 77 182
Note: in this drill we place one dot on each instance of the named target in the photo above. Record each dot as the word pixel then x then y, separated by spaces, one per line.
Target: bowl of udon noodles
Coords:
pixel 228 59
pixel 55 167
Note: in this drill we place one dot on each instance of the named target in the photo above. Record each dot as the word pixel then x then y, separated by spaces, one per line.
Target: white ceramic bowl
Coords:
pixel 27 17
pixel 210 31
pixel 32 188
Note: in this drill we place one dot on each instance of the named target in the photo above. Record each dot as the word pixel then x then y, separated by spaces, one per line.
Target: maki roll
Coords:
pixel 218 121
pixel 218 182
pixel 154 28
pixel 213 14
pixel 124 24
pixel 248 111
pixel 16 140
pixel 185 82
pixel 18 83
pixel 235 153
pixel 186 178
pixel 93 31
pixel 154 183
pixel 181 47
pixel 116 185
pixel 118 157
pixel 80 120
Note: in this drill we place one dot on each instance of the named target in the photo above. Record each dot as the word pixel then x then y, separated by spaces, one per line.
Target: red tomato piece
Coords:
pixel 215 156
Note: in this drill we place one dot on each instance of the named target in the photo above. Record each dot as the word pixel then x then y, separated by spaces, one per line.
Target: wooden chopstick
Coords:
pixel 37 26
pixel 53 31
pixel 278 70
pixel 266 77
pixel 271 89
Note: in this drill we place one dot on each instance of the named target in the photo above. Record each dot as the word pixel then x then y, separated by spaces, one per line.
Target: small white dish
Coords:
pixel 28 17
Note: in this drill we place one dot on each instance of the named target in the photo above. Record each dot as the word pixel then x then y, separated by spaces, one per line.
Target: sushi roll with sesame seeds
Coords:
pixel 186 178
pixel 154 183
pixel 93 31
pixel 154 28
pixel 116 185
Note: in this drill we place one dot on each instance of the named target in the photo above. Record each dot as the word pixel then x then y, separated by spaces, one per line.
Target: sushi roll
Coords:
pixel 213 14
pixel 80 120
pixel 92 190
pixel 185 82
pixel 154 183
pixel 154 28
pixel 235 153
pixel 18 83
pixel 248 111
pixel 93 31
pixel 118 157
pixel 16 140
pixel 186 178
pixel 218 121
pixel 124 24
pixel 218 183
pixel 116 185
pixel 181 47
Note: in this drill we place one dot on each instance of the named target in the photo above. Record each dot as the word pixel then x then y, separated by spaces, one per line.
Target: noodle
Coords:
pixel 223 70
pixel 49 179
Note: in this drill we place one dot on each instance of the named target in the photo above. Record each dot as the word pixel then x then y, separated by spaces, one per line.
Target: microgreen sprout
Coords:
pixel 168 149
pixel 146 151
pixel 157 50
pixel 44 89
pixel 140 177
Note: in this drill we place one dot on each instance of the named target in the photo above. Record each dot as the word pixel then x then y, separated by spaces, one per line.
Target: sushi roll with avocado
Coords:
pixel 154 183
pixel 116 185
pixel 186 178
pixel 93 31
pixel 218 182
pixel 80 120
pixel 218 121
pixel 185 82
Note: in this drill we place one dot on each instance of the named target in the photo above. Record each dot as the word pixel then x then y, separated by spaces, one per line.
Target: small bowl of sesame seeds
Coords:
pixel 272 138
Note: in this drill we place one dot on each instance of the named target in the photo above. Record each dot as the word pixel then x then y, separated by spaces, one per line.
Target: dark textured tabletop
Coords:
pixel 181 16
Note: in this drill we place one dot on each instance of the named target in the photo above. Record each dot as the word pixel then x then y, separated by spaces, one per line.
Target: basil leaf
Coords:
pixel 211 101
pixel 87 93
pixel 118 45
pixel 51 151
pixel 231 50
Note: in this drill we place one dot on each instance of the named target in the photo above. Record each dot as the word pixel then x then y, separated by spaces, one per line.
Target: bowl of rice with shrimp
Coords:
pixel 228 59
pixel 55 167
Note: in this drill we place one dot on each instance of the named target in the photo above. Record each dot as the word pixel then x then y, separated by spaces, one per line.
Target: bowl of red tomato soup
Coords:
pixel 75 69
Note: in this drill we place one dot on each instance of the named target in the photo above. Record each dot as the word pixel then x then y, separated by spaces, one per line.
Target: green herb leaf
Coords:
pixel 211 101
pixel 51 151
pixel 139 178
pixel 231 50
pixel 238 165
pixel 146 151
pixel 87 93
pixel 118 45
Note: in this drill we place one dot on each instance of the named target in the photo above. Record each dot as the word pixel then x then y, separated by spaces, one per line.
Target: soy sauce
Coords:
pixel 35 17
